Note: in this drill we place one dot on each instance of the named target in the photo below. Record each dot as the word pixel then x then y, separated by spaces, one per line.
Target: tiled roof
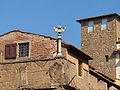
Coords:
pixel 78 50
pixel 103 76
pixel 16 30
pixel 93 68
pixel 83 19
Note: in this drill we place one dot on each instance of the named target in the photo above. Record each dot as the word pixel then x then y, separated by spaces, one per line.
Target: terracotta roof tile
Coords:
pixel 104 77
pixel 16 30
pixel 93 68
pixel 77 49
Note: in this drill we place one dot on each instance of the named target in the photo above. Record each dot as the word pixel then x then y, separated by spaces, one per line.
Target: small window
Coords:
pixel 104 24
pixel 23 49
pixel 10 51
pixel 80 68
pixel 108 87
pixel 90 26
pixel 107 58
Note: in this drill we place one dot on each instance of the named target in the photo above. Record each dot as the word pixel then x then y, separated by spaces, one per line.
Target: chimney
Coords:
pixel 59 30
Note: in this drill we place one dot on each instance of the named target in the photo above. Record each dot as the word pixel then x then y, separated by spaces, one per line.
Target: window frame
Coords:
pixel 23 52
pixel 104 22
pixel 91 25
pixel 18 51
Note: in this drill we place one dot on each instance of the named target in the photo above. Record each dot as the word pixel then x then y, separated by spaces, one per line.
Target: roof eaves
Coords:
pixel 106 76
pixel 16 30
pixel 106 79
pixel 93 68
pixel 83 19
pixel 79 50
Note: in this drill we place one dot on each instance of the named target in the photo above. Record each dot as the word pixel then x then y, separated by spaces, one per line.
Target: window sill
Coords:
pixel 22 57
pixel 90 32
pixel 103 29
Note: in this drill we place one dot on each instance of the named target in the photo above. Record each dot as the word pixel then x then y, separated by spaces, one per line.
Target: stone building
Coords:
pixel 100 36
pixel 28 62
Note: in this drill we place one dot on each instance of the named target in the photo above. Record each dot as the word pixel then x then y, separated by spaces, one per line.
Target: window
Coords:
pixel 108 86
pixel 23 49
pixel 10 51
pixel 90 26
pixel 104 24
pixel 80 68
pixel 107 58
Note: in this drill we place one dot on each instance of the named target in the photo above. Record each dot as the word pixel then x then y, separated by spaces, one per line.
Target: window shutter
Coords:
pixel 13 51
pixel 10 51
pixel 7 51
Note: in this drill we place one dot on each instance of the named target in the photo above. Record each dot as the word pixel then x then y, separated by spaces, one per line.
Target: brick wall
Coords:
pixel 40 47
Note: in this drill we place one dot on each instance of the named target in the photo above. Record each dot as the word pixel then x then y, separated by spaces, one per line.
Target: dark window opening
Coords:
pixel 108 86
pixel 80 68
pixel 107 58
pixel 98 80
pixel 23 49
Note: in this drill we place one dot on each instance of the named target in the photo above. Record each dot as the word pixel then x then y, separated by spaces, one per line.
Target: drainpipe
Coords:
pixel 59 30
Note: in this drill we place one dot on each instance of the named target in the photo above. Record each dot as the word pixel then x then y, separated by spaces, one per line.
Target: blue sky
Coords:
pixel 40 16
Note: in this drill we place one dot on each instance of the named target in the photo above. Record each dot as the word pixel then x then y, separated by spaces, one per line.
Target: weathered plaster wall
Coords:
pixel 87 80
pixel 36 74
pixel 49 73
pixel 74 57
